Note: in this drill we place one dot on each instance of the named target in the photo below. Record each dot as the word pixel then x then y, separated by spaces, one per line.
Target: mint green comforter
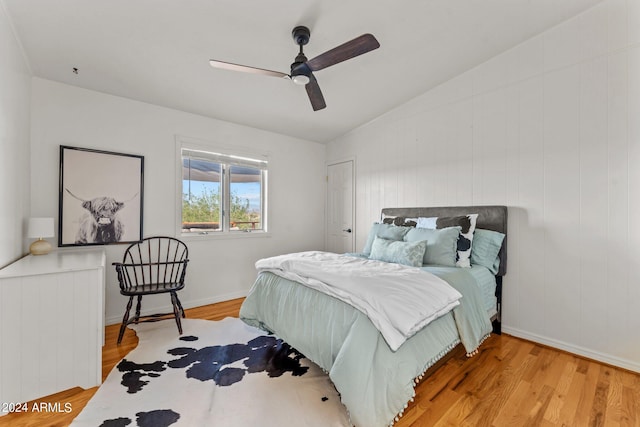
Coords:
pixel 375 383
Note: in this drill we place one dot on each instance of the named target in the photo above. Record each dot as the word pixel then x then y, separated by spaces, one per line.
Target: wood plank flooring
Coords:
pixel 511 382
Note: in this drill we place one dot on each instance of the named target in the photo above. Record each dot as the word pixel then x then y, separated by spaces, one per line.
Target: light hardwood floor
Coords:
pixel 511 382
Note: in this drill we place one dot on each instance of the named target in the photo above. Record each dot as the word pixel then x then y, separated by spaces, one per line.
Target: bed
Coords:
pixel 375 375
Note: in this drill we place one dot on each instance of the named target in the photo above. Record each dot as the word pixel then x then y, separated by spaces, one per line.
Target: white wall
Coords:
pixel 551 129
pixel 219 269
pixel 15 87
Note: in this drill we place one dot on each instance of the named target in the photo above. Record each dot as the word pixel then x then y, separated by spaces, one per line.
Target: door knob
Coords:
pixel 348 230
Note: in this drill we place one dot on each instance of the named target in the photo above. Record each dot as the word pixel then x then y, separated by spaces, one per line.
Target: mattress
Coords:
pixel 483 278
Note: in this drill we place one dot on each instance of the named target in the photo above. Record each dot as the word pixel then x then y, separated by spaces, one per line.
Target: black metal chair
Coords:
pixel 154 265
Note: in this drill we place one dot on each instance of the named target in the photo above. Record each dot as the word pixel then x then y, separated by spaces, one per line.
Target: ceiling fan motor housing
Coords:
pixel 300 75
pixel 301 35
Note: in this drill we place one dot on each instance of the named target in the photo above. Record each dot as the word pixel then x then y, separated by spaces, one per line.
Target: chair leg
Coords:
pixel 125 320
pixel 180 306
pixel 138 306
pixel 176 311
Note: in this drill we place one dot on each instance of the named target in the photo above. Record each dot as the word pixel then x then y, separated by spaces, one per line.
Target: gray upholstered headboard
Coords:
pixel 489 217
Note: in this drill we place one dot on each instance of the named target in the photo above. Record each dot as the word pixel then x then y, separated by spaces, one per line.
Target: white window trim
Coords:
pixel 207 146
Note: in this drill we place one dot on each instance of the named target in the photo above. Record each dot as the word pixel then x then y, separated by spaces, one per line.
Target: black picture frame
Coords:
pixel 100 197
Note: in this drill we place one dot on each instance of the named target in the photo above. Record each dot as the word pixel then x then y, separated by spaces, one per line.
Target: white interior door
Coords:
pixel 340 207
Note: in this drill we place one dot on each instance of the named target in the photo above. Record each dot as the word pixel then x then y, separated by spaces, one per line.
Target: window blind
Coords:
pixel 225 159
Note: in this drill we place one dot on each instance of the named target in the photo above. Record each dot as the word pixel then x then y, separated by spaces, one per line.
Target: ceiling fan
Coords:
pixel 302 69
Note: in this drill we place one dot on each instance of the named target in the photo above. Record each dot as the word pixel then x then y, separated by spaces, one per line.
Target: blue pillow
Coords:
pixel 399 252
pixel 385 231
pixel 465 241
pixel 441 244
pixel 485 248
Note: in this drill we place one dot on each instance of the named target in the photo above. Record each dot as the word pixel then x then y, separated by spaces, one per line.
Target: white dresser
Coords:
pixel 51 323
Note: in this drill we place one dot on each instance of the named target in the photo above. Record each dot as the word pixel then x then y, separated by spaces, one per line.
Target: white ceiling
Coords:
pixel 157 51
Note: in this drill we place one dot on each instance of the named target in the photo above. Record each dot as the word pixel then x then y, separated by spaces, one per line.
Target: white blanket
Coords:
pixel 399 300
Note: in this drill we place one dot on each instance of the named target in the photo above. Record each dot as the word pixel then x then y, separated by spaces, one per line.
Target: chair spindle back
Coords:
pixel 154 261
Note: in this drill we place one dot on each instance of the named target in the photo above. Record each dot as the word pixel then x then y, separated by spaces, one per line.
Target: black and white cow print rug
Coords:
pixel 219 374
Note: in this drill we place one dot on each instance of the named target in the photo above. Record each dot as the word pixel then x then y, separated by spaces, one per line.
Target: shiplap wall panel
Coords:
pixel 11 334
pixel 618 218
pixel 634 171
pixel 593 32
pixel 85 306
pixel 3 321
pixel 562 191
pixel 550 128
pixel 46 316
pixel 593 198
pixel 82 295
pixel 530 292
pixel 66 294
pixel 617 15
pixel 633 19
pixel 29 362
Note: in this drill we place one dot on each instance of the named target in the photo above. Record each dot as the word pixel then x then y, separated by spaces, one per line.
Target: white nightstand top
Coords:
pixel 56 261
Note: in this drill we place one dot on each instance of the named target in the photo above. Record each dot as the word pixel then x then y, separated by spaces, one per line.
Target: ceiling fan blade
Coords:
pixel 246 69
pixel 363 44
pixel 315 94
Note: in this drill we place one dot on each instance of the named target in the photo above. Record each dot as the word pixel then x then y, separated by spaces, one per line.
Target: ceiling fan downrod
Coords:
pixel 300 75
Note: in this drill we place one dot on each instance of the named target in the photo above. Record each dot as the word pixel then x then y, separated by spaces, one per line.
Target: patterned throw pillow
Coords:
pixel 407 253
pixel 468 226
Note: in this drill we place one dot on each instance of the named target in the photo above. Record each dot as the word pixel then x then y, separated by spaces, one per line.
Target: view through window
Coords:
pixel 222 193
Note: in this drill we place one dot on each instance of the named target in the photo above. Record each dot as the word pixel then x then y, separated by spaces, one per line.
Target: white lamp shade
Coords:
pixel 40 228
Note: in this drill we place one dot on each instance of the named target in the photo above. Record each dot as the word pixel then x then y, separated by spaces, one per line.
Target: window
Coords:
pixel 222 193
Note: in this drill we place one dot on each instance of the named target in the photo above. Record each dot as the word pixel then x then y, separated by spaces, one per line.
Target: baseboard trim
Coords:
pixel 577 350
pixel 116 320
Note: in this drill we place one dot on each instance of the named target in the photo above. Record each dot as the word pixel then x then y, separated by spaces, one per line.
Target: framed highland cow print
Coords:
pixel 100 197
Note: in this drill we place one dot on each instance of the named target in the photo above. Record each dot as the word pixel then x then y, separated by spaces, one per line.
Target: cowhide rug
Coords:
pixel 219 374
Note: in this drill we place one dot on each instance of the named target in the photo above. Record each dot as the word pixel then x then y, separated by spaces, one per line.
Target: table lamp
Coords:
pixel 40 228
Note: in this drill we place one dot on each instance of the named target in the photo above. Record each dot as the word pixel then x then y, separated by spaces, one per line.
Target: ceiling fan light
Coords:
pixel 300 79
